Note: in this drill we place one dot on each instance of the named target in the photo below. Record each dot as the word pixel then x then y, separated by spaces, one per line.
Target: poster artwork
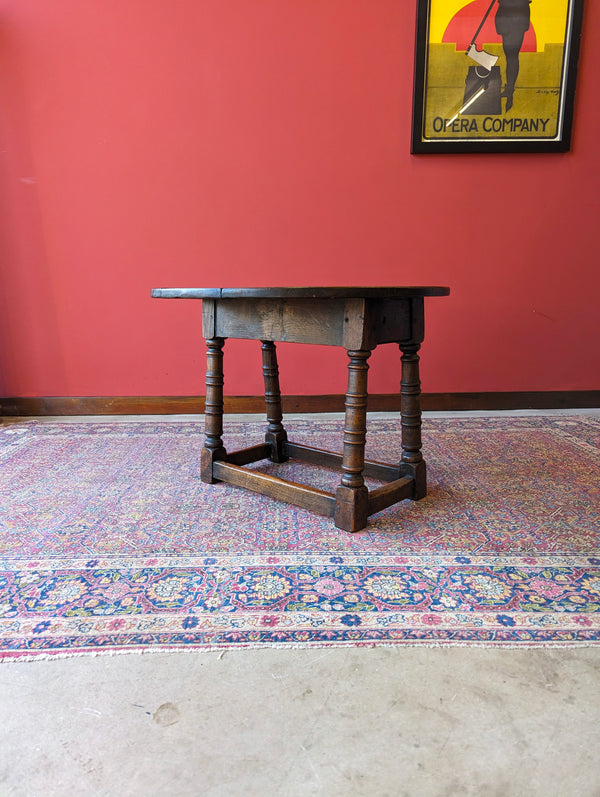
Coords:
pixel 494 71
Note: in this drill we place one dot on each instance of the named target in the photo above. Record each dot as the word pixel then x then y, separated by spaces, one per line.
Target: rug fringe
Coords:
pixel 222 650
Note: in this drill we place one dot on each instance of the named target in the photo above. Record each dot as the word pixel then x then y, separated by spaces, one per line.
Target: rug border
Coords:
pixel 419 636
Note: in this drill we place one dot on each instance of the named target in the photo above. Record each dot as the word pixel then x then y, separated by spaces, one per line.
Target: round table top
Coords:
pixel 391 292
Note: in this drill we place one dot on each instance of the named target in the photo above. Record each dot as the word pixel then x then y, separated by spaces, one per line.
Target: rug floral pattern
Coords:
pixel 109 541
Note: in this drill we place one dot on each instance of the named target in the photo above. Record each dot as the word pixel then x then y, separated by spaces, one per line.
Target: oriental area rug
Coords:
pixel 109 541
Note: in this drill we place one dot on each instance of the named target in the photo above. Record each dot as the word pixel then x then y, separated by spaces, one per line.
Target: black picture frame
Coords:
pixel 467 104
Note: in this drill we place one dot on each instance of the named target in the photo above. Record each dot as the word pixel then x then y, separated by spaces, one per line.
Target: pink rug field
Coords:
pixel 110 543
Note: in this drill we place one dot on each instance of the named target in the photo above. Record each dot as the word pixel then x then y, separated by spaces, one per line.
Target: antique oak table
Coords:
pixel 358 319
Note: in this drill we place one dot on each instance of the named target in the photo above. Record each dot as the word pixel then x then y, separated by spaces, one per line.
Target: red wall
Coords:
pixel 266 142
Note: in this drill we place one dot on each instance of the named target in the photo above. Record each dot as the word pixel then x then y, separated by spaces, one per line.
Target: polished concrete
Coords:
pixel 336 722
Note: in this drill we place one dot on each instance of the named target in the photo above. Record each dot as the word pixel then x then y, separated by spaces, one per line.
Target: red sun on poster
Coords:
pixel 464 24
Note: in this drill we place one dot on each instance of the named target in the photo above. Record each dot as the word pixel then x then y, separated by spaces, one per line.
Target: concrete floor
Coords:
pixel 337 722
pixel 375 722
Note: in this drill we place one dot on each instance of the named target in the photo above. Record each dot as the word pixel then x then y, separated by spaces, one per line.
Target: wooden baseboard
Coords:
pixel 378 402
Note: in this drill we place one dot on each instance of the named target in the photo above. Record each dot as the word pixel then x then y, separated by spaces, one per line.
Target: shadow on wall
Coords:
pixel 28 321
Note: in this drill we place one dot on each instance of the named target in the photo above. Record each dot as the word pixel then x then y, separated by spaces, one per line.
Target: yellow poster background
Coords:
pixel 538 94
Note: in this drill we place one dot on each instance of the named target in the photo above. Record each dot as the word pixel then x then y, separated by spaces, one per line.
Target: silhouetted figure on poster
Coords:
pixel 512 22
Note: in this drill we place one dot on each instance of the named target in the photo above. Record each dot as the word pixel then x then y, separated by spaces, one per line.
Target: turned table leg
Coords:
pixel 213 412
pixel 275 435
pixel 352 497
pixel 412 462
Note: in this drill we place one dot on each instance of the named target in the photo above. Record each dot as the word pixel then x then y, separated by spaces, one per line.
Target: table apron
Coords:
pixel 354 324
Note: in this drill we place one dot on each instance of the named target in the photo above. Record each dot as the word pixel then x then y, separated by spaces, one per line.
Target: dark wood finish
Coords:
pixel 349 322
pixel 57 406
pixel 351 508
pixel 275 435
pixel 213 413
pixel 355 425
pixel 331 292
pixel 359 319
pixel 299 494
pixel 390 494
pixel 300 321
pixel 352 497
pixel 314 456
pixel 329 459
pixel 247 455
pixel 410 412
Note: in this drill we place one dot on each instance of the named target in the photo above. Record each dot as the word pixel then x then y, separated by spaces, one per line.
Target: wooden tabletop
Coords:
pixel 391 292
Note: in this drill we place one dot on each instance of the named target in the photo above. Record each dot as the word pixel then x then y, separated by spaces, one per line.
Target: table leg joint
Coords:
pixel 351 508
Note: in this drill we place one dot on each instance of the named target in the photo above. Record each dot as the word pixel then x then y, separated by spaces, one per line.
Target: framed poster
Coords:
pixel 495 75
